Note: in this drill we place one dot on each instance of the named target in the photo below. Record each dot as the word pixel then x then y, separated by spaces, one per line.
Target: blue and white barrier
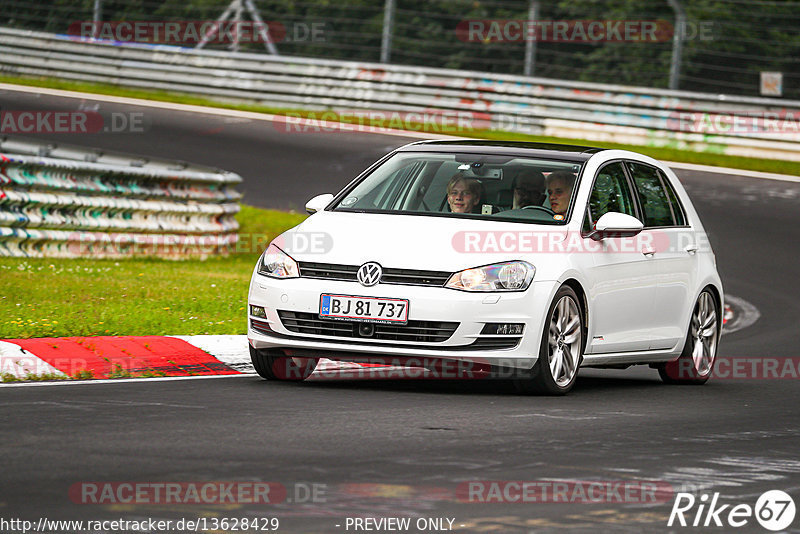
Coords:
pixel 70 208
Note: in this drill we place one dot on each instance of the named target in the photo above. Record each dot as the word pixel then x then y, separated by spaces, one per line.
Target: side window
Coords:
pixel 652 197
pixel 677 208
pixel 610 192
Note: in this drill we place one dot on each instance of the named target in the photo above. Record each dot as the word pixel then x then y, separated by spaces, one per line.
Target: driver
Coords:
pixel 463 194
pixel 528 189
pixel 559 189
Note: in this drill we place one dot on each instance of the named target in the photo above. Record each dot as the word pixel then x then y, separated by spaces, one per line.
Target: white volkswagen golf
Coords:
pixel 493 256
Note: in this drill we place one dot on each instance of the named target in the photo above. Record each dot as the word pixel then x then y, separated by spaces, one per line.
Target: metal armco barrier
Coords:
pixel 557 108
pixel 66 206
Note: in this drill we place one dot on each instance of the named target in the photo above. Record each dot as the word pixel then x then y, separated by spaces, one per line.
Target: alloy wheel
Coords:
pixel 564 341
pixel 704 334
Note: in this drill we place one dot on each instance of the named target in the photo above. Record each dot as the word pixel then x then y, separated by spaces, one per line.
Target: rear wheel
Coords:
pixel 273 364
pixel 696 362
pixel 561 350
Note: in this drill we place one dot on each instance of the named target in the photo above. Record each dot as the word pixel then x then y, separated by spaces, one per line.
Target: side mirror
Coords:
pixel 614 224
pixel 318 202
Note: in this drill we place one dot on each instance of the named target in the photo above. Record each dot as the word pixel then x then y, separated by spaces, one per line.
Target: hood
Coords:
pixel 409 241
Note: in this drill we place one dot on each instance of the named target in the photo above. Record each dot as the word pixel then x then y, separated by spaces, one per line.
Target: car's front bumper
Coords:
pixel 470 310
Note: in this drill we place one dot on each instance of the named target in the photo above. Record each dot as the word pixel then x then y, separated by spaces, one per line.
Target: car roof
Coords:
pixel 517 148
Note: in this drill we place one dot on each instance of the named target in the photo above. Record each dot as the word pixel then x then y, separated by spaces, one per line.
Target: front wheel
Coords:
pixel 275 365
pixel 561 350
pixel 696 362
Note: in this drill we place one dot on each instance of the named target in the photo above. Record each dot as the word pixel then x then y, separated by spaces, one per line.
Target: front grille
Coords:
pixel 414 331
pixel 413 277
pixel 329 271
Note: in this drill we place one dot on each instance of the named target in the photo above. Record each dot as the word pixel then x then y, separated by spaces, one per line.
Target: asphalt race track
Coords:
pixel 378 448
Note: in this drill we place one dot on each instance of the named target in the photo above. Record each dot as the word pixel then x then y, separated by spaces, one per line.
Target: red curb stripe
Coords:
pixel 124 355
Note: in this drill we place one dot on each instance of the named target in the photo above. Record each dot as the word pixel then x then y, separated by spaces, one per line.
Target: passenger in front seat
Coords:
pixel 559 190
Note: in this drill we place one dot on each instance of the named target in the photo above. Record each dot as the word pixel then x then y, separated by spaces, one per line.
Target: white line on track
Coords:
pixel 333 125
pixel 120 380
pixel 735 172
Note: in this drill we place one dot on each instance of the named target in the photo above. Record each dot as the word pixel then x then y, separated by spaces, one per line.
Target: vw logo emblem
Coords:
pixel 369 274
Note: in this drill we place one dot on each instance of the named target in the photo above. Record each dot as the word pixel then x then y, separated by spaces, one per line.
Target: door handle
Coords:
pixel 649 252
pixel 691 249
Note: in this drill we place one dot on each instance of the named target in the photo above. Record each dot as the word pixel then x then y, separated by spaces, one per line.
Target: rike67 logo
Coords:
pixel 774 510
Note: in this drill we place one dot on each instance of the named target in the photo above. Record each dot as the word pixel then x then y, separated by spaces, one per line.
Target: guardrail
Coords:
pixel 71 203
pixel 557 108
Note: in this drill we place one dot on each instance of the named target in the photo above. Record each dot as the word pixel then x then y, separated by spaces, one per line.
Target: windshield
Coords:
pixel 467 185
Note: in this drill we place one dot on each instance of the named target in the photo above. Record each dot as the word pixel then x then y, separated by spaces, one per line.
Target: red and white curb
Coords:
pixel 738 314
pixel 110 357
pixel 107 357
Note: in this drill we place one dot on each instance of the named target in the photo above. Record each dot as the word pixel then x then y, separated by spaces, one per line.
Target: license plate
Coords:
pixel 366 309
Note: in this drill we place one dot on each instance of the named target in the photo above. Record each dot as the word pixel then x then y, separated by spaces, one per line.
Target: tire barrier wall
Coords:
pixel 59 207
pixel 740 126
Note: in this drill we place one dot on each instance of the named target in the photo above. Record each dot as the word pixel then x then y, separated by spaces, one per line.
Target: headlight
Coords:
pixel 508 276
pixel 277 264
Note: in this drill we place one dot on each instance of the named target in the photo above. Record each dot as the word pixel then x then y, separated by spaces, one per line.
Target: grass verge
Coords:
pixel 671 153
pixel 49 297
pixel 33 377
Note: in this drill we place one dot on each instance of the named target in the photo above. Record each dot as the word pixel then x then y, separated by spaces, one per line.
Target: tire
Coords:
pixel 273 364
pixel 696 362
pixel 561 348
